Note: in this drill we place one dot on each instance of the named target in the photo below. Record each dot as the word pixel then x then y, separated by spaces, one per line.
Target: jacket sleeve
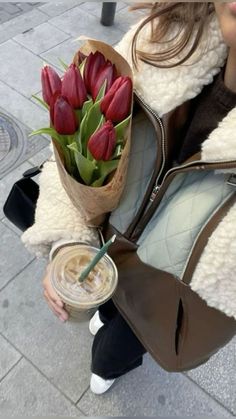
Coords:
pixel 55 218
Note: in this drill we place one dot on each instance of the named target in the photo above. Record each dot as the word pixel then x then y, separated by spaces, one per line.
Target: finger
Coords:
pixel 52 294
pixel 58 310
pixel 62 317
pixel 52 302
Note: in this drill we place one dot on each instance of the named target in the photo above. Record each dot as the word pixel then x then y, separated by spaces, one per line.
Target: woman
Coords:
pixel 181 53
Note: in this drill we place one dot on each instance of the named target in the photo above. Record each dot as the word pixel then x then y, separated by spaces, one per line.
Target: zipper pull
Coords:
pixel 232 179
pixel 154 193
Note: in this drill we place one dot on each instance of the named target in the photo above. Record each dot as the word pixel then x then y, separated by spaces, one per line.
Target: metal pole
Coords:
pixel 108 13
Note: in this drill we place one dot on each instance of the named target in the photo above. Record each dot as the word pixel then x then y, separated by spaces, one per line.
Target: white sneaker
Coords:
pixel 98 385
pixel 95 323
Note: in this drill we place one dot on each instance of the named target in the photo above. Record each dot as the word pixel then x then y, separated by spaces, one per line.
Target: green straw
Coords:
pixel 96 259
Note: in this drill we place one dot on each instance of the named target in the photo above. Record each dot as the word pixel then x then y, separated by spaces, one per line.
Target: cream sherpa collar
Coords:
pixel 164 90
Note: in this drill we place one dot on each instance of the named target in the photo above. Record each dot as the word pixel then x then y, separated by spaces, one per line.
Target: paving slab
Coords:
pixel 12 227
pixel 77 22
pixel 125 18
pixel 25 110
pixel 13 256
pixel 41 156
pixel 21 24
pixel 218 376
pixel 60 350
pixel 95 7
pixel 41 38
pixel 64 51
pixel 9 356
pixel 150 391
pixel 26 392
pixel 10 10
pixel 8 181
pixel 56 8
pixel 27 81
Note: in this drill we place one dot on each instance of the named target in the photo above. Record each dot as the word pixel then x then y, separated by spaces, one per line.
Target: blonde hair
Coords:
pixel 192 18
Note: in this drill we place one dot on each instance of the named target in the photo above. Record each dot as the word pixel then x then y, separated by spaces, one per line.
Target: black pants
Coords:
pixel 116 350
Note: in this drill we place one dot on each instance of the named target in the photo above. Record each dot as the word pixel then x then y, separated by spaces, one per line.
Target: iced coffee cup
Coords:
pixel 82 298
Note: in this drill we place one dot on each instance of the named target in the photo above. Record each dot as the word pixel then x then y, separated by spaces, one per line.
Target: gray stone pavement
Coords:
pixel 45 365
pixel 10 10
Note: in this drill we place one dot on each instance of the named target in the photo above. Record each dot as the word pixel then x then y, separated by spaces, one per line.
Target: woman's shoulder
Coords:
pixel 163 89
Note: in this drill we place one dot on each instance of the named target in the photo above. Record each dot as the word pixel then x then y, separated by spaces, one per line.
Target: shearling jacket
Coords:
pixel 163 91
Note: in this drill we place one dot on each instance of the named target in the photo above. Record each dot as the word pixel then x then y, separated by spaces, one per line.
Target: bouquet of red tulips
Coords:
pixel 90 119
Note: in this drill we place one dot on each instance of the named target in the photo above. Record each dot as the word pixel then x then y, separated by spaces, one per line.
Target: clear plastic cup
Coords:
pixel 82 299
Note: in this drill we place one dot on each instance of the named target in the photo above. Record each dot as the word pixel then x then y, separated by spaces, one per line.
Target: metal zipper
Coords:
pixel 198 164
pixel 163 138
pixel 202 164
pixel 154 180
pixel 147 216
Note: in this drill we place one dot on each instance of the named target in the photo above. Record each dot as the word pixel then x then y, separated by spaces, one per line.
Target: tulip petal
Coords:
pixel 63 116
pixel 120 105
pixel 102 142
pixel 116 103
pixel 73 87
pixel 51 83
pixel 92 66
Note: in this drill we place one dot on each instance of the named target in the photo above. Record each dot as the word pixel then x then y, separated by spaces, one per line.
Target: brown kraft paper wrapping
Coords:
pixel 95 202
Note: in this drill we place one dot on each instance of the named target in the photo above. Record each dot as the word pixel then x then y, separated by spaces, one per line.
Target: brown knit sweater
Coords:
pixel 207 110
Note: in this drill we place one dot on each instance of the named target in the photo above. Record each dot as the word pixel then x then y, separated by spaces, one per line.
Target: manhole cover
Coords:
pixel 5 143
pixel 12 144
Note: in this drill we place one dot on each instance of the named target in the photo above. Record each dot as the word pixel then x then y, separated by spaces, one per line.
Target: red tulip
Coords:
pixel 73 87
pixel 51 83
pixel 107 72
pixel 93 65
pixel 117 102
pixel 62 115
pixel 102 143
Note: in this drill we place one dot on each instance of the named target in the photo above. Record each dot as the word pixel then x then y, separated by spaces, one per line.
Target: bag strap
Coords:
pixel 33 171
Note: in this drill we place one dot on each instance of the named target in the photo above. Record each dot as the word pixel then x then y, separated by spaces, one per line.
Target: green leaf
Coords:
pixel 62 139
pixel 89 124
pixel 86 167
pixel 101 92
pixel 106 167
pixel 118 151
pixel 82 134
pixel 93 119
pixel 87 152
pixel 78 113
pixel 101 122
pixel 81 67
pixel 120 128
pixel 98 182
pixel 45 105
pixel 48 131
pixel 64 65
pixel 86 106
pixel 89 155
